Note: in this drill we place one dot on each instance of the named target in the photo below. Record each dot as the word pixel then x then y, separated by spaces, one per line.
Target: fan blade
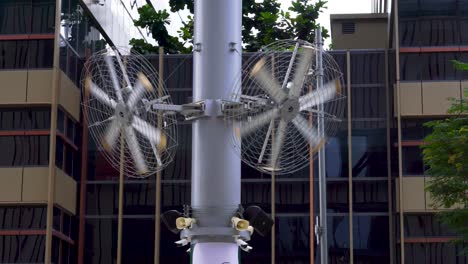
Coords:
pixel 320 96
pixel 309 133
pixel 257 122
pixel 154 135
pixel 278 143
pixel 100 95
pixel 301 71
pixel 111 136
pixel 124 71
pixel 134 147
pixel 268 82
pixel 113 74
pixel 142 85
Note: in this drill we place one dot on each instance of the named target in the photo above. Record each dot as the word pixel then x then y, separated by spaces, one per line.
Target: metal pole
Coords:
pixel 157 212
pixel 321 157
pixel 216 174
pixel 121 193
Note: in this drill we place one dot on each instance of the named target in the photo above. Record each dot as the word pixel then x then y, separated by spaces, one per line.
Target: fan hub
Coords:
pixel 123 114
pixel 289 109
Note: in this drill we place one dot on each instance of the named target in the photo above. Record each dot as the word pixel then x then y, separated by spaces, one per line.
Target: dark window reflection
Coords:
pixel 367 67
pixel 368 101
pixel 24 118
pixel 41 53
pixel 337 196
pixel 371 238
pixel 338 239
pixel 10 218
pixel 43 16
pixel 336 156
pixel 370 196
pixel 32 249
pixel 412 161
pixel 292 235
pixel 13 54
pixel 181 166
pixel 369 152
pixel 425 225
pixel 33 217
pixel 434 253
pixel 411 66
pixel 101 241
pixel 24 151
pixel 138 245
pixel 414 129
pixel 257 193
pixel 438 66
pixel 15 16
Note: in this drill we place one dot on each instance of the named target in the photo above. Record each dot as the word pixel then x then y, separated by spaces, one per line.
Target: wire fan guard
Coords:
pixel 117 93
pixel 278 106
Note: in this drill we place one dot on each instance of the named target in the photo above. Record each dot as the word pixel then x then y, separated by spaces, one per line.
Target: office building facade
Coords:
pixel 377 212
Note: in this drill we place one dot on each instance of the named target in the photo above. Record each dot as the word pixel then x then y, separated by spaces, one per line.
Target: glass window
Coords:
pixel 367 67
pixel 43 16
pixel 32 249
pixel 412 161
pixel 13 54
pixel 69 161
pixel 60 120
pixel 33 217
pixel 369 151
pixel 36 150
pixel 370 196
pixel 10 217
pixel 409 32
pixel 336 156
pixel 143 251
pixel 414 129
pixel 411 66
pixel 41 53
pixel 256 193
pixel 101 240
pixel 438 66
pixel 10 246
pixel 21 118
pixel 15 16
pixel 371 238
pixel 443 31
pixel 425 225
pixel 291 197
pixel 434 253
pixel 181 167
pixel 368 101
pixel 292 235
pixel 24 151
pixel 337 196
pixel 338 239
pixel 59 150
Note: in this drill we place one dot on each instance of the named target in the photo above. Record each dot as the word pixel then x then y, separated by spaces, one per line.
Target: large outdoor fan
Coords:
pixel 287 106
pixel 117 93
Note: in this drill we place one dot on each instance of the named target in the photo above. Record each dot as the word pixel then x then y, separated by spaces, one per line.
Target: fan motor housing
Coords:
pixel 289 109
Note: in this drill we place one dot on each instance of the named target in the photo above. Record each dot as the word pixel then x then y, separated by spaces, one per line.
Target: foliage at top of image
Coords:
pixel 262 24
pixel 445 153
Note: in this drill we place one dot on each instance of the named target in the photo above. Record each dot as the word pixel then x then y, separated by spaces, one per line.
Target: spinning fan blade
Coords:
pixel 113 74
pixel 100 95
pixel 256 123
pixel 134 147
pixel 154 135
pixel 320 96
pixel 309 133
pixel 278 143
pixel 142 85
pixel 301 71
pixel 111 136
pixel 267 81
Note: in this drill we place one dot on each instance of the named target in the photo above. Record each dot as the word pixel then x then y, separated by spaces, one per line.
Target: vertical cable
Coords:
pixel 273 184
pixel 400 168
pixel 53 132
pixel 121 192
pixel 311 193
pixel 157 213
pixel 350 158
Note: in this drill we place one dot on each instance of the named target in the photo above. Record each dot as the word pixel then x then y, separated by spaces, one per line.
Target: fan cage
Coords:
pixel 98 114
pixel 296 151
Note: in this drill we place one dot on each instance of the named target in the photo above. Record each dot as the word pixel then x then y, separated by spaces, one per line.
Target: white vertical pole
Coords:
pixel 216 174
pixel 321 157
